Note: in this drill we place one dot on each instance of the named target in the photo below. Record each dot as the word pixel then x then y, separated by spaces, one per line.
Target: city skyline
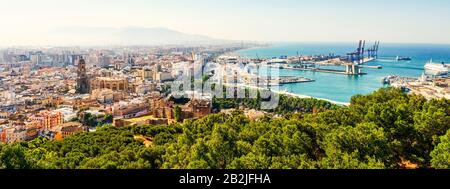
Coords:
pixel 37 23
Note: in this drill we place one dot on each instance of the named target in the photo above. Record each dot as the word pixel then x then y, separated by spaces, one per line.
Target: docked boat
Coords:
pixel 437 68
pixel 389 79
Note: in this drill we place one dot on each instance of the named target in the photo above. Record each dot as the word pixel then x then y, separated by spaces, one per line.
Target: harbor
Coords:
pixel 335 86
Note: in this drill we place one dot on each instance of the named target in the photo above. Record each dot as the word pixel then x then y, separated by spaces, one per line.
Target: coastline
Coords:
pixel 305 96
pixel 293 94
pixel 251 48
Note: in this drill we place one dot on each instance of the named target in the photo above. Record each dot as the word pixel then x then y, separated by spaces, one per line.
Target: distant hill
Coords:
pixel 130 36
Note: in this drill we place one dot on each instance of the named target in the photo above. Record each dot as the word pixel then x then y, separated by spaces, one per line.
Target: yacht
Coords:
pixel 438 68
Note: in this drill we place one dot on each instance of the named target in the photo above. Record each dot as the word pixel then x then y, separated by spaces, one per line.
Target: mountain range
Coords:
pixel 131 36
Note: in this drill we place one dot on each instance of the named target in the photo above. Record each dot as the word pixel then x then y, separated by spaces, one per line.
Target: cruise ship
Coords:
pixel 439 69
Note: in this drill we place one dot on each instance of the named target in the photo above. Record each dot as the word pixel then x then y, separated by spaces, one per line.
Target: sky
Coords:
pixel 29 22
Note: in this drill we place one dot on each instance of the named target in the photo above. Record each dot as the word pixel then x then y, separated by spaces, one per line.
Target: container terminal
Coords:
pixel 353 62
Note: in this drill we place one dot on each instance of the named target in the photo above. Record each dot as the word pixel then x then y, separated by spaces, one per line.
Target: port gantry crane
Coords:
pixel 357 55
pixel 377 45
pixel 357 58
pixel 373 52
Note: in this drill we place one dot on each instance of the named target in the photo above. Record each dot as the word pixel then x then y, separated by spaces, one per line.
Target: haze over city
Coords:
pixel 93 22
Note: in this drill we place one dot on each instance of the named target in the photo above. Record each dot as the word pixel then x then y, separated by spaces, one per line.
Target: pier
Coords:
pixel 373 67
pixel 291 80
pixel 283 80
pixel 350 69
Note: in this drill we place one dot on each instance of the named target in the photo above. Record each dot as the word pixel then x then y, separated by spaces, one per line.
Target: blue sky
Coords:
pixel 27 22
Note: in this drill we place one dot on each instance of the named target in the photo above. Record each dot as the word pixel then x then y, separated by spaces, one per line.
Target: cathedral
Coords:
pixel 82 81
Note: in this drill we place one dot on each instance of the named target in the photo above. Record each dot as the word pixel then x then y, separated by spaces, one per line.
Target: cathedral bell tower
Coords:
pixel 82 81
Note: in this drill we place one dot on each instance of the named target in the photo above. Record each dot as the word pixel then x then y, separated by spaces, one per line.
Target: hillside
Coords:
pixel 386 129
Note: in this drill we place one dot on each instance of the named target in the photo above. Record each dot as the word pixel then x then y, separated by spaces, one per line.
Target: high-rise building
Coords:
pixel 130 60
pixel 36 58
pixel 73 58
pixel 104 60
pixel 1 56
pixel 82 82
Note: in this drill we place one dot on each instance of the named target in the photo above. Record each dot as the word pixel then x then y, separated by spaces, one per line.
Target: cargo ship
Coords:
pixel 403 58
